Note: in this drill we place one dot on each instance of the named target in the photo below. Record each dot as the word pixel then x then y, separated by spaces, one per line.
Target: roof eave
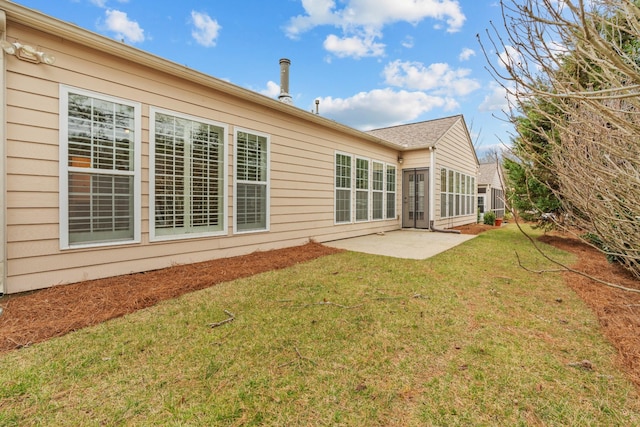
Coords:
pixel 72 32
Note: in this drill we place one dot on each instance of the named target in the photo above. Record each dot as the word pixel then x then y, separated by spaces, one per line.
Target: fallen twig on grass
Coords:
pixel 300 357
pixel 566 269
pixel 388 298
pixel 229 319
pixel 555 270
pixel 337 305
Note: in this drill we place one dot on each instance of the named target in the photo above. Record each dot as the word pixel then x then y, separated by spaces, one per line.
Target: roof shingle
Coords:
pixel 416 135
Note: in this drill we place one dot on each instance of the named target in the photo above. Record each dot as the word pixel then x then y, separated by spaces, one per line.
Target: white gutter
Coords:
pixel 72 32
pixel 3 157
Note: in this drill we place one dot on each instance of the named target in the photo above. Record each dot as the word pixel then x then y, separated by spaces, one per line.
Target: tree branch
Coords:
pixel 566 268
pixel 229 319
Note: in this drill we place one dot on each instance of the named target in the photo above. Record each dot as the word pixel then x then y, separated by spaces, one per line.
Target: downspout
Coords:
pixel 432 191
pixel 3 156
pixel 432 185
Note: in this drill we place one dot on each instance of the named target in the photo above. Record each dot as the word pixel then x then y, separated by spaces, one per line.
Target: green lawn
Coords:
pixel 464 338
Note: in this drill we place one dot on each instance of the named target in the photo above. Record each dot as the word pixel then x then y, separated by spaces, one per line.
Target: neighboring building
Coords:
pixel 117 161
pixel 439 171
pixel 490 189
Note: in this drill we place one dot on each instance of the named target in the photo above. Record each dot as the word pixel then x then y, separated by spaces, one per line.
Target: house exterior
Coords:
pixel 490 189
pixel 438 170
pixel 117 161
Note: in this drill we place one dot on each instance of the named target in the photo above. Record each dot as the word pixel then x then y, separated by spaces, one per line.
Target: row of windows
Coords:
pixel 365 190
pixel 101 184
pixel 457 193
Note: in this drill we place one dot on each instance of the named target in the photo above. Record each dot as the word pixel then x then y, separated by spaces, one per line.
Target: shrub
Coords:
pixel 489 218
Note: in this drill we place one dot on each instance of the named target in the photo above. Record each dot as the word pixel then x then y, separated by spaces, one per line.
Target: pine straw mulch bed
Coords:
pixel 36 316
pixel 618 311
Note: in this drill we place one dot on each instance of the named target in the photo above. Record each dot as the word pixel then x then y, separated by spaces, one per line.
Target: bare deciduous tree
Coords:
pixel 584 58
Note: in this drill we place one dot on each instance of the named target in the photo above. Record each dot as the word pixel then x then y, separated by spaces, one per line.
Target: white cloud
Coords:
pixel 439 78
pixel 272 90
pixel 381 107
pixel 356 46
pixel 125 29
pixel 206 29
pixel 408 42
pixel 510 56
pixel 466 54
pixel 375 14
pixel 102 3
pixel 496 100
pixel 369 17
pixel 319 12
pixel 557 48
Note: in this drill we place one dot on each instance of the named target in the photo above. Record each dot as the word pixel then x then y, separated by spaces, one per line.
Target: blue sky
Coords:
pixel 371 63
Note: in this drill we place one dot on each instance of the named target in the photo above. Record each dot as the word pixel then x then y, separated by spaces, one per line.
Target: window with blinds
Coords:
pixel 369 185
pixel 343 188
pixel 391 192
pixel 362 189
pixel 252 181
pixel 457 194
pixel 100 186
pixel 188 175
pixel 377 191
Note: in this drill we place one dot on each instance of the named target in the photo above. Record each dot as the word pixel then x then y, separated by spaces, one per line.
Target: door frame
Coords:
pixel 414 222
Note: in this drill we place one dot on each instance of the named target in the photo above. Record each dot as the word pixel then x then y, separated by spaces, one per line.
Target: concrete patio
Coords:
pixel 411 244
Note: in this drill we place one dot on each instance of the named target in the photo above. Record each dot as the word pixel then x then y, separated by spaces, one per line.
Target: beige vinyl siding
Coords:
pixel 416 159
pixel 455 152
pixel 301 181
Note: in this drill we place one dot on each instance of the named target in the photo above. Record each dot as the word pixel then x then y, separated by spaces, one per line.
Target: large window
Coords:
pixel 362 189
pixel 377 191
pixel 391 192
pixel 457 191
pixel 99 169
pixel 187 187
pixel 343 188
pixel 367 185
pixel 251 204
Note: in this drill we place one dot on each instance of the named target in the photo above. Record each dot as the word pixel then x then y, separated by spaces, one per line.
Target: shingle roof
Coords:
pixel 487 173
pixel 416 135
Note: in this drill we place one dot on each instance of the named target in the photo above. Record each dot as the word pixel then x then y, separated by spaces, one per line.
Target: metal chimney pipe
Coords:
pixel 284 81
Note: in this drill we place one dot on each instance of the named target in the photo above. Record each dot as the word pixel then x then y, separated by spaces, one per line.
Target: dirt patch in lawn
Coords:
pixel 36 316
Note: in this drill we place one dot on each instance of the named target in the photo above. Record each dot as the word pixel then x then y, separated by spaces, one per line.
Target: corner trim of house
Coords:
pixel 432 184
pixel 3 157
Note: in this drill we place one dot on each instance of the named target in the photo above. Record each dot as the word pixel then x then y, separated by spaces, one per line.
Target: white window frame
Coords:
pixel 152 173
pixel 336 187
pixel 444 199
pixel 64 168
pixel 357 190
pixel 388 193
pixel 454 193
pixel 352 189
pixel 381 191
pixel 266 183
